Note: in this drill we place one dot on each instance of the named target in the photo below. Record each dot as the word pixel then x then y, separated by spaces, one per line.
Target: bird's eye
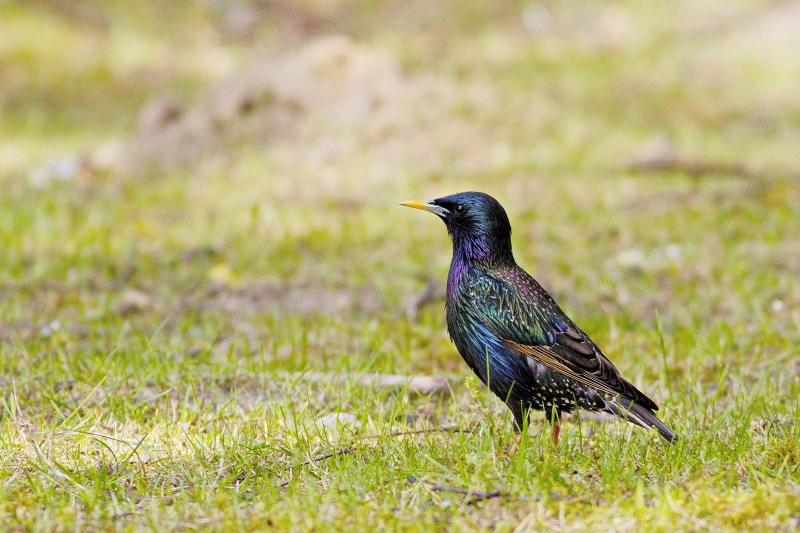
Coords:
pixel 459 209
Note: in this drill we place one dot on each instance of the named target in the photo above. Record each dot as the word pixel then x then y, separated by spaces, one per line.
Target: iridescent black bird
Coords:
pixel 511 332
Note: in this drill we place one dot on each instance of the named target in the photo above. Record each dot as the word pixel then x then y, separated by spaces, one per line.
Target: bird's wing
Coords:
pixel 525 318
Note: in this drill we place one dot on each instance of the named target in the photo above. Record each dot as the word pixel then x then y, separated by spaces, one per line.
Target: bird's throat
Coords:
pixel 476 252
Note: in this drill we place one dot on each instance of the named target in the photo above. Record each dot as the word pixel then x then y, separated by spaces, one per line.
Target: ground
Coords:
pixel 199 212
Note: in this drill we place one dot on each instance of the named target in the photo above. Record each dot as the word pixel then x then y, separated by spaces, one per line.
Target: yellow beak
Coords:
pixel 428 206
pixel 418 204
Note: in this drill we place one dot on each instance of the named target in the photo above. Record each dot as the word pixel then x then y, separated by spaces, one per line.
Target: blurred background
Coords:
pixel 235 166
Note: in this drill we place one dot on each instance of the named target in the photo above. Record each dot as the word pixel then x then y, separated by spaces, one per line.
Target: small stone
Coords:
pixel 134 301
pixel 48 329
pixel 62 169
pixel 633 258
pixel 657 152
pixel 337 422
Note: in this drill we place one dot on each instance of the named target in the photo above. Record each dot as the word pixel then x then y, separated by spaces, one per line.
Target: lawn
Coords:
pixel 201 256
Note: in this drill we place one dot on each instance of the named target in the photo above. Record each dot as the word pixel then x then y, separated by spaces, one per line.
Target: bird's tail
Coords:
pixel 641 416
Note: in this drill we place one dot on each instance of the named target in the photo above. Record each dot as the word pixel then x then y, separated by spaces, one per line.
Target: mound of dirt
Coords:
pixel 321 107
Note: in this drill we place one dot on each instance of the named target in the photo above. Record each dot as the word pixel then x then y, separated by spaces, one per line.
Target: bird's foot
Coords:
pixel 556 433
pixel 515 445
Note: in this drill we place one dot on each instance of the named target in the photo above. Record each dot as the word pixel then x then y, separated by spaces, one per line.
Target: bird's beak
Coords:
pixel 427 206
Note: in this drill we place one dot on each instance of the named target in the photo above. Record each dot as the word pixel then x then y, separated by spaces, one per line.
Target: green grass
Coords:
pixel 152 325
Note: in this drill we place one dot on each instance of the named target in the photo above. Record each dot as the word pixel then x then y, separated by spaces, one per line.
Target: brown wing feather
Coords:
pixel 585 364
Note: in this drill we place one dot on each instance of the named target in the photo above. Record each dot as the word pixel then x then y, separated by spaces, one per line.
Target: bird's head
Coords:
pixel 477 223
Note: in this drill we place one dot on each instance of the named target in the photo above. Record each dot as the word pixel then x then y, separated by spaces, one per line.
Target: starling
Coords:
pixel 514 336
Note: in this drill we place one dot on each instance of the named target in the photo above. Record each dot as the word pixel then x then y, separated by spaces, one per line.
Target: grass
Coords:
pixel 152 325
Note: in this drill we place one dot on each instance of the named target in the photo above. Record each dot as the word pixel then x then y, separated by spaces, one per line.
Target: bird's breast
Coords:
pixel 458 271
pixel 485 353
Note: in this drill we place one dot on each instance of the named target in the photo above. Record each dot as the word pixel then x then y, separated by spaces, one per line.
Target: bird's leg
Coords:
pixel 555 420
pixel 556 433
pixel 519 414
pixel 519 423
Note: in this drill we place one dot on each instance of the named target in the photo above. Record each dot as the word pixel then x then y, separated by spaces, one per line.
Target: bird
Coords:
pixel 512 333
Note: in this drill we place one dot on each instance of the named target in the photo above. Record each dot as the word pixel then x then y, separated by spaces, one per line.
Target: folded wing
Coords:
pixel 525 318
